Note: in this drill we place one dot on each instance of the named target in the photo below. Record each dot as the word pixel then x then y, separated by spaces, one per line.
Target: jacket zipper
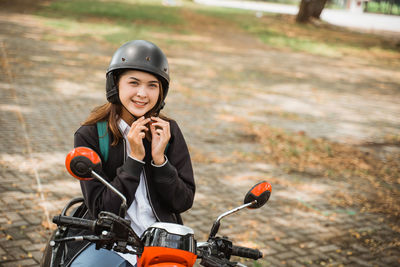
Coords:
pixel 125 156
pixel 148 195
pixel 145 182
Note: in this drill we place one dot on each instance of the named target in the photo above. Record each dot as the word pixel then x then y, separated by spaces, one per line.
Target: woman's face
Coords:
pixel 138 91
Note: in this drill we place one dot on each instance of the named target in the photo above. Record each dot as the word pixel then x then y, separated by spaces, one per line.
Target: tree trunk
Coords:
pixel 317 7
pixel 303 16
pixel 310 8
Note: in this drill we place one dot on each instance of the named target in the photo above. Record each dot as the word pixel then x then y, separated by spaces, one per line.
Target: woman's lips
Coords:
pixel 139 104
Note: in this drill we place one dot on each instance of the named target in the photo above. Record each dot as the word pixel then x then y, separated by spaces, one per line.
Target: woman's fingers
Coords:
pixel 160 129
pixel 137 127
pixel 138 132
pixel 163 125
pixel 160 132
pixel 140 121
pixel 160 123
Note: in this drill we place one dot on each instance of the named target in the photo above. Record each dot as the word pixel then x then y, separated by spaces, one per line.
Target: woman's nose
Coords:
pixel 141 91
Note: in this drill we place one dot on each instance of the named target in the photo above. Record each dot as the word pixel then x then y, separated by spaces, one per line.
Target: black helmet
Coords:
pixel 139 55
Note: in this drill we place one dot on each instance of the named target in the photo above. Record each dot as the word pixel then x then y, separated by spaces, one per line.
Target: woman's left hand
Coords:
pixel 160 135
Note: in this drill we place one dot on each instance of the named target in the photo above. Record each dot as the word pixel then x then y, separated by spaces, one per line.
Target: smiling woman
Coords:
pixel 148 160
pixel 139 92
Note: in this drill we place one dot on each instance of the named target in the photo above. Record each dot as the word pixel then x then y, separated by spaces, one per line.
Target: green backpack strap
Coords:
pixel 166 148
pixel 103 138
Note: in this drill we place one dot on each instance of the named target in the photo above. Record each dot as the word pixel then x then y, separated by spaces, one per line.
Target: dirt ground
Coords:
pixel 248 112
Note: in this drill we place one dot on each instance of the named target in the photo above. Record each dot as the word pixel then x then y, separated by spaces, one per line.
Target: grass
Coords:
pixel 298 43
pixel 121 11
pixel 115 21
pixel 384 8
pixel 119 21
pixel 282 32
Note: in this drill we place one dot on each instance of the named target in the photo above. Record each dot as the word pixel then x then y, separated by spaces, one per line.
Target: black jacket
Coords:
pixel 171 187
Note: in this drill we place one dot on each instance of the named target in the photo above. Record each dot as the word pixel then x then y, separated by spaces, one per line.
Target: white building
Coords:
pixel 356 6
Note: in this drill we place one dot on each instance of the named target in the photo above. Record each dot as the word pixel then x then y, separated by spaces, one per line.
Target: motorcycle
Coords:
pixel 162 244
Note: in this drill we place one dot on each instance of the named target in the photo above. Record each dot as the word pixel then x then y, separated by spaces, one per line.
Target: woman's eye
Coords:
pixel 153 85
pixel 134 83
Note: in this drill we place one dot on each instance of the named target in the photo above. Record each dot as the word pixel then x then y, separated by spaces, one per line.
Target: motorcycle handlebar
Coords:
pixel 244 252
pixel 211 262
pixel 75 222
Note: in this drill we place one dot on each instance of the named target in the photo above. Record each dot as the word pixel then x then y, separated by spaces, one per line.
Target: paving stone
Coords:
pixel 13 216
pixel 15 252
pixel 16 243
pixel 294 263
pixel 32 219
pixel 311 244
pixel 272 261
pixel 359 261
pixel 328 248
pixel 288 241
pixel 37 255
pixel 391 260
pixel 34 247
pixel 308 259
pixel 24 262
pixel 300 251
pixel 16 233
pixel 338 258
pixel 278 247
pixel 359 248
pixel 269 251
pixel 286 255
pixel 2 251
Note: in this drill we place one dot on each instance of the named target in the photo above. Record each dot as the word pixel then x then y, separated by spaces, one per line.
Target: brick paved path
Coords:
pixel 47 88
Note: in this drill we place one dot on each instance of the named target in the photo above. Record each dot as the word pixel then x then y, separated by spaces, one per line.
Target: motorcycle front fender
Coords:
pixel 166 257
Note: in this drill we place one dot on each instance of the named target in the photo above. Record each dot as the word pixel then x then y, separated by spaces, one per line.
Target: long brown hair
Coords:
pixel 111 112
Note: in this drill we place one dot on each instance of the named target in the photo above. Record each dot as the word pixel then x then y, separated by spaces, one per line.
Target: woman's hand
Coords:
pixel 160 135
pixel 135 138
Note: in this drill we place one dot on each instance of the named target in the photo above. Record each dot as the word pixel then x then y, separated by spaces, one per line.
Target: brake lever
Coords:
pixel 91 238
pixel 120 226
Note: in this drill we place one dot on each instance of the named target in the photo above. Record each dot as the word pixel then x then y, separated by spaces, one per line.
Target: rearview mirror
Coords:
pixel 254 199
pixel 81 161
pixel 260 192
pixel 84 163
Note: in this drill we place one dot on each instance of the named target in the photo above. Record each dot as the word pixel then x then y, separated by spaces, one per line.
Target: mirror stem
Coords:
pixel 216 224
pixel 122 211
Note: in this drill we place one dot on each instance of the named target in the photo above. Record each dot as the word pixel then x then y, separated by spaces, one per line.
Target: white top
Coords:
pixel 139 212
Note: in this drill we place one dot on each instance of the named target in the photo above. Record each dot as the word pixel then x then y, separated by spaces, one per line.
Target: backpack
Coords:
pixel 103 139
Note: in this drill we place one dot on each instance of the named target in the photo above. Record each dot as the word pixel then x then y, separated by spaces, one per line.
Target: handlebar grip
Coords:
pixel 210 262
pixel 244 252
pixel 75 222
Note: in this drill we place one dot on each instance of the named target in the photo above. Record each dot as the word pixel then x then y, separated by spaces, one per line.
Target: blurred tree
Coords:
pixel 310 9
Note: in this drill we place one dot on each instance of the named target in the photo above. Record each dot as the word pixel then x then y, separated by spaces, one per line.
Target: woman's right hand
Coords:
pixel 135 138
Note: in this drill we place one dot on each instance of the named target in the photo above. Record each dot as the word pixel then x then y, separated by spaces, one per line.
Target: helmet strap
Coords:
pixel 133 116
pixel 160 107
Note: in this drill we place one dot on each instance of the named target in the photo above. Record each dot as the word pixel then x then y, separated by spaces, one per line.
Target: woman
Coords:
pixel 148 159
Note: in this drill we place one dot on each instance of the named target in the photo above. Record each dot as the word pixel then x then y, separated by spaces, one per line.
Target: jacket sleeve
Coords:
pixel 97 196
pixel 174 181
